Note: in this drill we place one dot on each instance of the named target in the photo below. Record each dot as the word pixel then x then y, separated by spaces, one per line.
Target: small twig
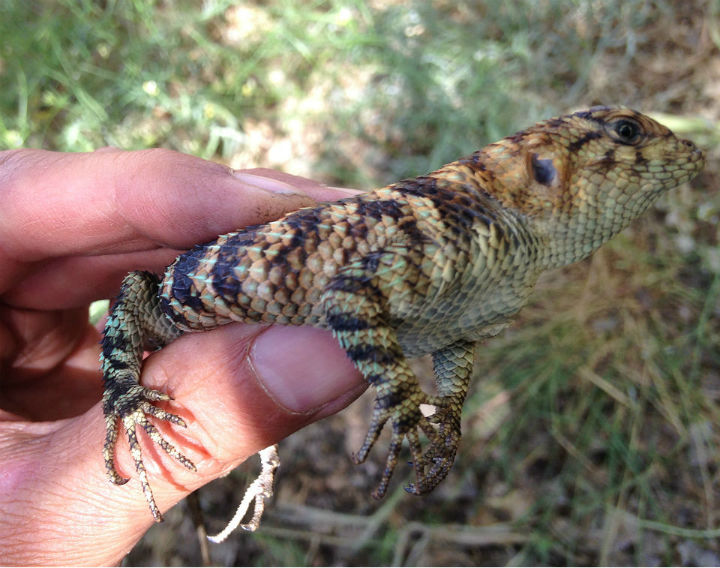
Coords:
pixel 198 519
pixel 259 491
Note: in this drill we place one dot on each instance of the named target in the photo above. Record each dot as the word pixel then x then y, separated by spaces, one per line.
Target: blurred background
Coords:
pixel 591 432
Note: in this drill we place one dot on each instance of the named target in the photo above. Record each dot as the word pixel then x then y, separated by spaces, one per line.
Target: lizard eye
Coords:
pixel 627 131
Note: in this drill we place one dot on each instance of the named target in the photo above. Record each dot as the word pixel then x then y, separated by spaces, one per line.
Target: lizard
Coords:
pixel 430 265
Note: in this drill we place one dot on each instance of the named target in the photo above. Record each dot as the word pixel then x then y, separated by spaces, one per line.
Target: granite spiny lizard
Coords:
pixel 430 265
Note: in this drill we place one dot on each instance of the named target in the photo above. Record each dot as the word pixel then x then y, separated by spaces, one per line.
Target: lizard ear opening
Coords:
pixel 544 175
pixel 543 171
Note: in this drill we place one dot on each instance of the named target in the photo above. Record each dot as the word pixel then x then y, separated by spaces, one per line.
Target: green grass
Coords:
pixel 591 433
pixel 411 87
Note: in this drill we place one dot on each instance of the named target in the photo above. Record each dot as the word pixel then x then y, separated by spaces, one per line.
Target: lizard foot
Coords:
pixel 440 456
pixel 132 405
pixel 431 465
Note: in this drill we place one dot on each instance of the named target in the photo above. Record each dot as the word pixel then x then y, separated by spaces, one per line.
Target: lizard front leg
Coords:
pixel 452 367
pixel 355 315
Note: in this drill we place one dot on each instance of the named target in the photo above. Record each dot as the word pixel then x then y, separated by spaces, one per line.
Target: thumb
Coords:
pixel 239 389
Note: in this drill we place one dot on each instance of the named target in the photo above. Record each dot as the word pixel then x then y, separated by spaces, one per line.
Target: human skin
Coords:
pixel 71 226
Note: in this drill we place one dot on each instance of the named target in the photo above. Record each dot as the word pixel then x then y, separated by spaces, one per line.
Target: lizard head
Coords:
pixel 583 177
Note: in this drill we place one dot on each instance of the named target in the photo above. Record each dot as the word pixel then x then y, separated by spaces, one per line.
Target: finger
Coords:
pixel 317 191
pixel 72 282
pixel 58 205
pixel 51 360
pixel 234 405
pixel 249 387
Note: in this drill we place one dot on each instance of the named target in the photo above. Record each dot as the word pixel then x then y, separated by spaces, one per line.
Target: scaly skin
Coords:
pixel 432 265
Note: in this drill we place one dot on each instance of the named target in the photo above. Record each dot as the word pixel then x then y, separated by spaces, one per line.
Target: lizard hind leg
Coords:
pixel 135 322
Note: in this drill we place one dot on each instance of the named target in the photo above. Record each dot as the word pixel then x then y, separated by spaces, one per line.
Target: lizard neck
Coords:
pixel 588 220
pixel 572 239
pixel 570 210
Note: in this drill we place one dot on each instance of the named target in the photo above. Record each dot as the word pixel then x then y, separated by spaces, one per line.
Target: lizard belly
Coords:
pixel 442 323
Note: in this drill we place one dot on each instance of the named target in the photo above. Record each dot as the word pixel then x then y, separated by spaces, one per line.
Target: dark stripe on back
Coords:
pixel 380 208
pixel 305 220
pixel 460 211
pixel 182 285
pixel 349 284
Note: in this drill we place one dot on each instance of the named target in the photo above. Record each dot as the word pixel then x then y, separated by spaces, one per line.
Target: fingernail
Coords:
pixel 266 183
pixel 348 191
pixel 302 368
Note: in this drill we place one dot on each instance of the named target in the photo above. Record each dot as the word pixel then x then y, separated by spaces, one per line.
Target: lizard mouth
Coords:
pixel 697 158
pixel 696 154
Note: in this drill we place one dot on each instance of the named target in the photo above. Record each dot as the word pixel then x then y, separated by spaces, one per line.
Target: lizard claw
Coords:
pixel 437 459
pixel 443 429
pixel 132 403
pixel 431 465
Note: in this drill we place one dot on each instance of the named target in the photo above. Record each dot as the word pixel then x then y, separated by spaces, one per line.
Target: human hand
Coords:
pixel 71 226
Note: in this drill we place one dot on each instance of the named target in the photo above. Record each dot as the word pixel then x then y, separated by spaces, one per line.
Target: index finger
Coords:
pixel 101 214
